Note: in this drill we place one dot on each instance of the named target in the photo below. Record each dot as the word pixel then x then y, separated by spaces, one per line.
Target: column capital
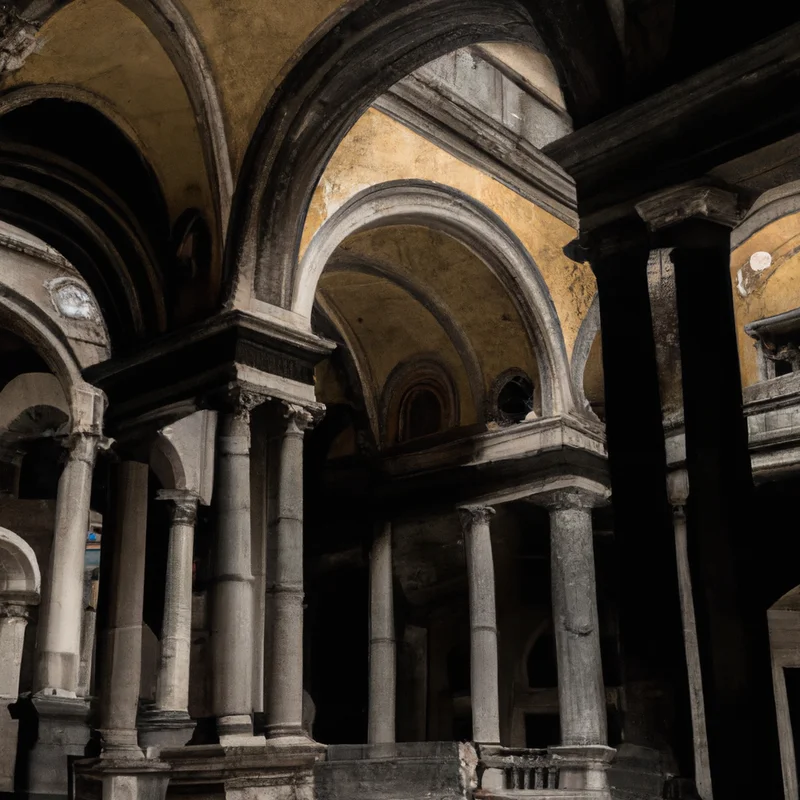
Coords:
pixel 14 610
pixel 300 418
pixel 678 488
pixel 84 444
pixel 184 505
pixel 475 515
pixel 569 497
pixel 679 203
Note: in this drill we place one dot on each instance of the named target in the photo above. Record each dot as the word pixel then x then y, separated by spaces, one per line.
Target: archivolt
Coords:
pixel 172 26
pixel 589 330
pixel 483 232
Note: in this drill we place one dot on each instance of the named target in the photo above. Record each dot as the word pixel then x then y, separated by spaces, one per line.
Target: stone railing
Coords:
pixel 522 769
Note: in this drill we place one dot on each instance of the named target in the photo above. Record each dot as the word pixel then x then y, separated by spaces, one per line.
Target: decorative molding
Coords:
pixel 17 38
pixel 680 203
pixel 469 134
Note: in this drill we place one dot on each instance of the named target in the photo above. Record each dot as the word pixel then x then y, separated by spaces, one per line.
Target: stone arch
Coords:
pixel 23 317
pixel 20 578
pixel 319 100
pixel 769 207
pixel 478 228
pixel 28 390
pixel 175 31
pixel 588 332
pixel 167 464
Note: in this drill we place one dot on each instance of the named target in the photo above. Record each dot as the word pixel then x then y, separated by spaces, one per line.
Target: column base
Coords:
pixel 51 728
pixel 162 728
pixel 121 779
pixel 583 767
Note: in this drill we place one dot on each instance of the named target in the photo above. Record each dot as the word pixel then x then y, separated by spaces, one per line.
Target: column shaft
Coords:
pixel 59 638
pixel 283 690
pixel 581 693
pixel 702 767
pixel 483 625
pixel 233 603
pixel 382 659
pixel 123 638
pixel 172 692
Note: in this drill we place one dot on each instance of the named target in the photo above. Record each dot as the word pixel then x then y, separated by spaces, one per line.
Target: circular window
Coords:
pixel 512 397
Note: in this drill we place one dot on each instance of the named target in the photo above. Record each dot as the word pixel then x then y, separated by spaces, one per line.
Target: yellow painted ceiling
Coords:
pixel 475 299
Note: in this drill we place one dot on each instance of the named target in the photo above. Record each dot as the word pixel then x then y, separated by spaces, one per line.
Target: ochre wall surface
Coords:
pixel 764 293
pixel 377 150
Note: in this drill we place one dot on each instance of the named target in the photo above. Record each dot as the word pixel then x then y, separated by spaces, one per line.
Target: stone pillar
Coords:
pixel 119 694
pixel 382 659
pixel 581 694
pixel 88 627
pixel 232 601
pixel 13 621
pixel 483 624
pixel 168 723
pixel 678 490
pixel 58 646
pixel 283 689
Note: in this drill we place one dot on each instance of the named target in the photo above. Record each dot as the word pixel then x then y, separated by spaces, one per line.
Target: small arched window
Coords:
pixel 420 413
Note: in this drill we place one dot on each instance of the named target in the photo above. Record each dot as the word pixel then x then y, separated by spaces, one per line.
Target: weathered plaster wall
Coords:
pixel 100 46
pixel 759 293
pixel 447 270
pixel 377 149
pixel 252 46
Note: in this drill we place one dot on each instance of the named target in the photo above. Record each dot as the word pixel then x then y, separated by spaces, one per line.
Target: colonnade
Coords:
pixel 581 691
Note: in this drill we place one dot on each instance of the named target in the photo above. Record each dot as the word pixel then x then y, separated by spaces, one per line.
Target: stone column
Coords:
pixel 13 621
pixel 58 646
pixel 122 640
pixel 88 627
pixel 678 490
pixel 168 723
pixel 382 659
pixel 483 624
pixel 232 602
pixel 283 689
pixel 581 693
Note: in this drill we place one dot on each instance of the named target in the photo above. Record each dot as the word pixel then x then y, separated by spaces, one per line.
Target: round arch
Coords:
pixel 175 31
pixel 479 229
pixel 31 389
pixel 319 100
pixel 769 207
pixel 588 332
pixel 20 577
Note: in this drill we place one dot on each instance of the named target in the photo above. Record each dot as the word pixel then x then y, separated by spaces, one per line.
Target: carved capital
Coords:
pixel 84 445
pixel 11 610
pixel 301 418
pixel 678 487
pixel 17 38
pixel 243 401
pixel 470 516
pixel 569 498
pixel 684 202
pixel 184 505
